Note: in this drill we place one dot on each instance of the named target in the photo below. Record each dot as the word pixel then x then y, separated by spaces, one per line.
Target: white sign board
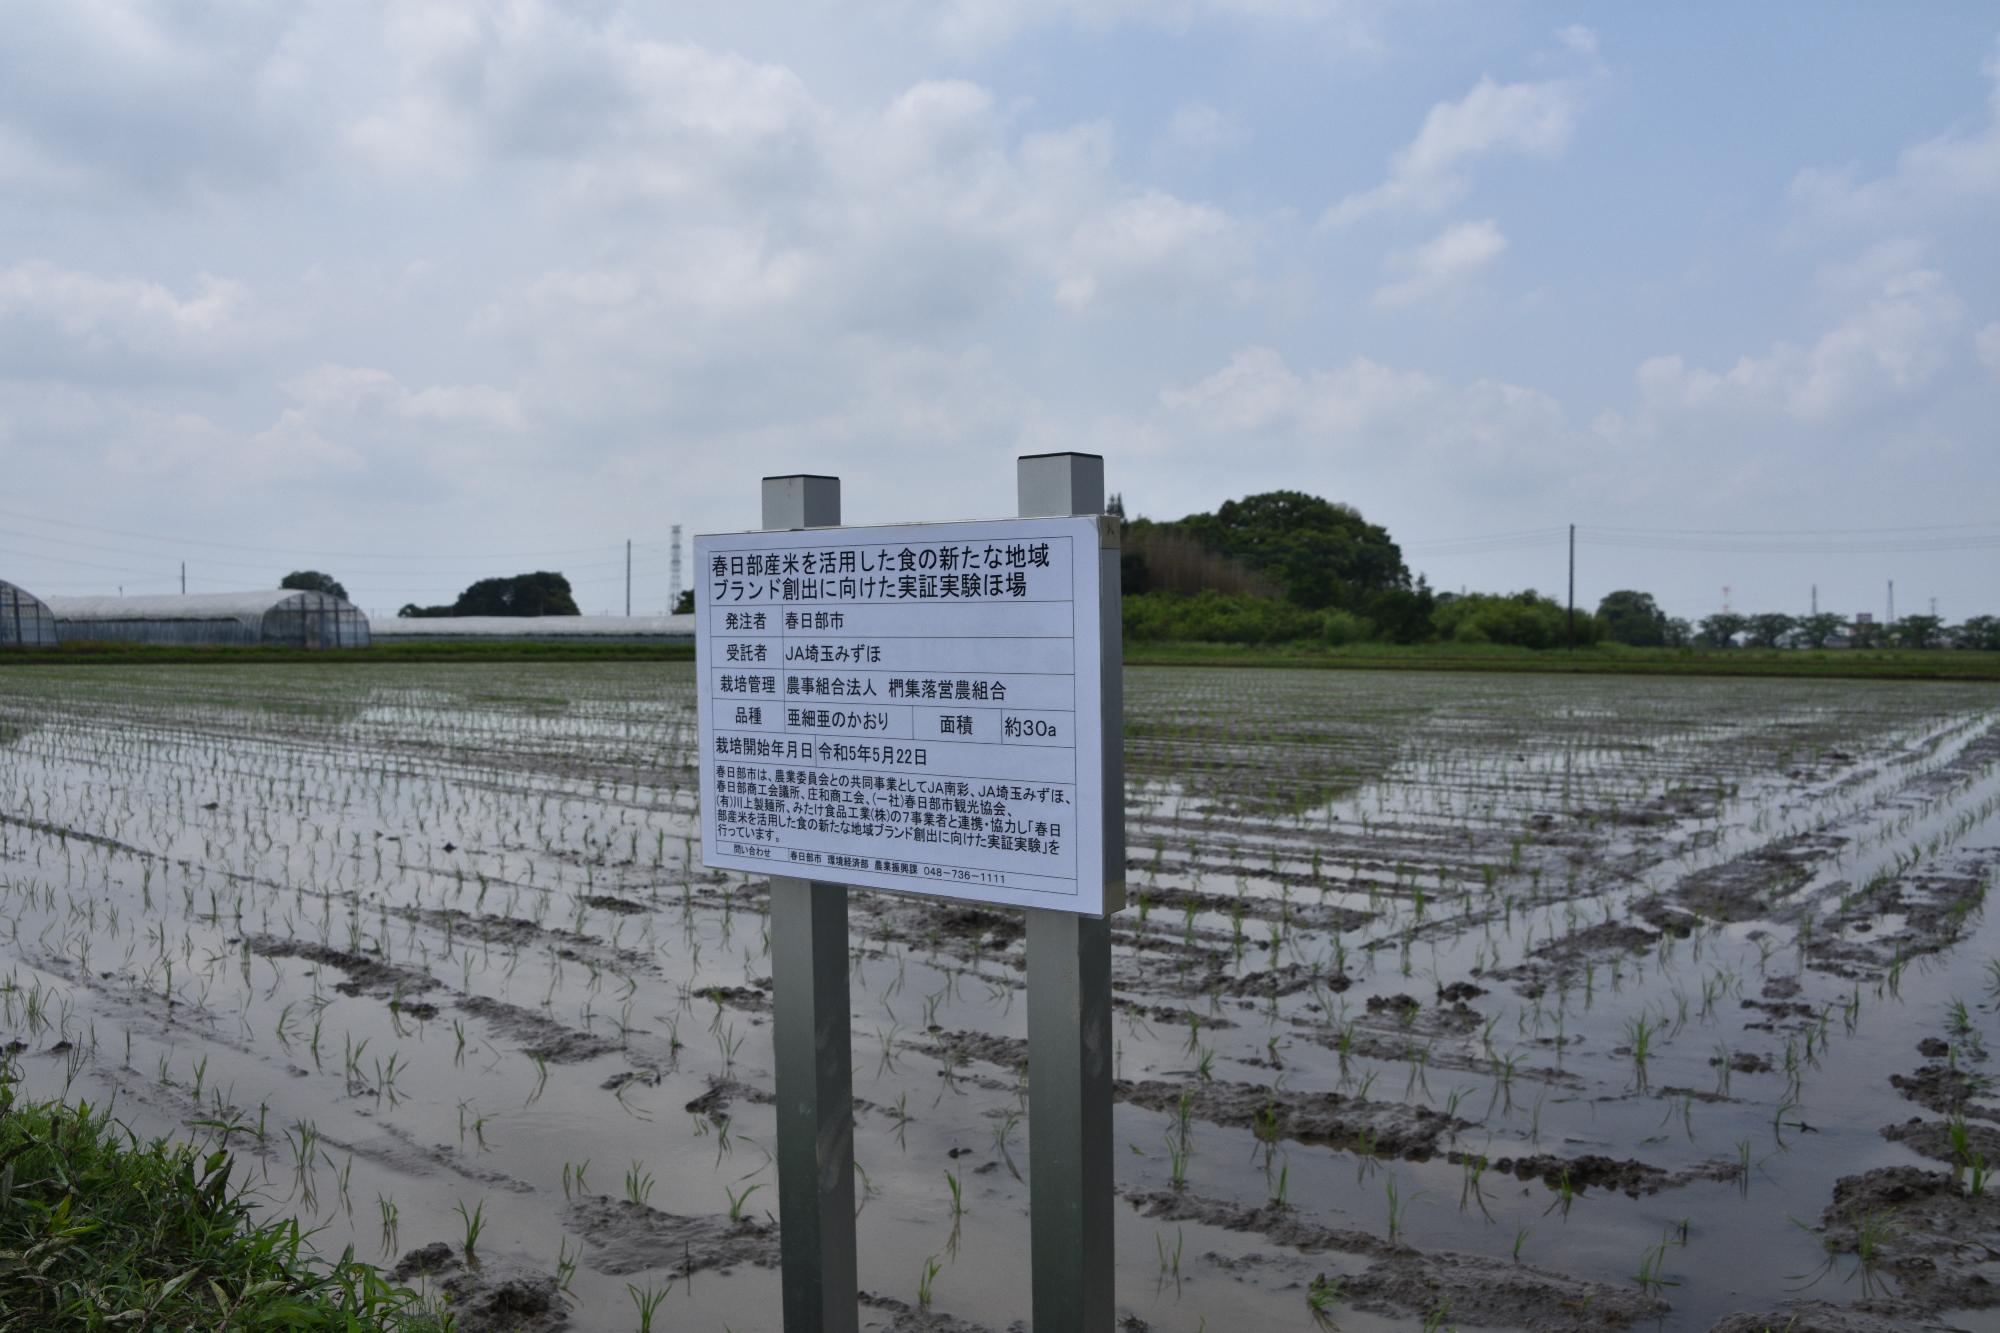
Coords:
pixel 915 707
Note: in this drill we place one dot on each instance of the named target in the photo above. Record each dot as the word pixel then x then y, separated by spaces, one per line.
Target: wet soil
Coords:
pixel 535 1034
pixel 1656 953
pixel 1936 1244
pixel 1325 1118
pixel 1400 1280
pixel 487 1297
pixel 624 1237
pixel 364 975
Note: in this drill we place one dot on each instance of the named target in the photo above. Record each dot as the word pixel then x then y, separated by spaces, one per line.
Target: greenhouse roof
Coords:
pixel 535 627
pixel 191 606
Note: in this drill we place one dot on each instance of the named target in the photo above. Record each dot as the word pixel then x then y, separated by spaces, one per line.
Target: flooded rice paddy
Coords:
pixel 1441 1001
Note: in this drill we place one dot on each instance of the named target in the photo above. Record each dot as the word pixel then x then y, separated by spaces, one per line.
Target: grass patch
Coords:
pixel 1598 659
pixel 101 1231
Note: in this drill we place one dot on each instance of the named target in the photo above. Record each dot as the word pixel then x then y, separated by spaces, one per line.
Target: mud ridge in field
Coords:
pixel 1938 1139
pixel 1939 1243
pixel 365 976
pixel 1390 1129
pixel 491 1297
pixel 627 1237
pixel 722 1092
pixel 1405 1281
pixel 1945 1089
pixel 1594 1171
pixel 907 1318
pixel 1820 1317
pixel 957 1047
pixel 537 1035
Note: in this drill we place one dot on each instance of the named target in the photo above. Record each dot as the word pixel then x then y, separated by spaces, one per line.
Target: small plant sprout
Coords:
pixel 475 1222
pixel 736 1200
pixel 926 1278
pixel 647 1299
pixel 638 1184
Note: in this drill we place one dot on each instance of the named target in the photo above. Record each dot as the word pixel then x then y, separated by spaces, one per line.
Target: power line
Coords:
pixel 294 552
pixel 1803 532
pixel 1795 546
pixel 214 561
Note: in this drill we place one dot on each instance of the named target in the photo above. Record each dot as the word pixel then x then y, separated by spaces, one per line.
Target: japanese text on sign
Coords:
pixel 912 708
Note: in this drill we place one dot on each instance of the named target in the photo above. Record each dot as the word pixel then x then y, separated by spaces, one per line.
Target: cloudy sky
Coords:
pixel 422 291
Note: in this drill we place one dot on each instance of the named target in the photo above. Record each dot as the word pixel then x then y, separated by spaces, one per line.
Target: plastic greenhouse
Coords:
pixel 25 621
pixel 277 617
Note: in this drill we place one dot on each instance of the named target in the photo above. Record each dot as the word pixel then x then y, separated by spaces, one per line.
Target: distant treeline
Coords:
pixel 542 593
pixel 1286 567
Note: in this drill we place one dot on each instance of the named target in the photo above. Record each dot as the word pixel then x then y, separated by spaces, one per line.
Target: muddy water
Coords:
pixel 1507 1002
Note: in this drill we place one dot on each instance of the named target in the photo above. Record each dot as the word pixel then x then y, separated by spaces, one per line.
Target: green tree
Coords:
pixel 1767 629
pixel 1677 633
pixel 1634 618
pixel 311 580
pixel 1866 634
pixel 1401 615
pixel 542 593
pixel 1918 631
pixel 1320 553
pixel 1525 619
pixel 1981 632
pixel 1816 629
pixel 685 606
pixel 1720 630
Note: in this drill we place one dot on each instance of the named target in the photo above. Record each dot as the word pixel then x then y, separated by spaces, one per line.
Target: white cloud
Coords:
pixel 929 206
pixel 1893 345
pixel 1988 343
pixel 333 392
pixel 972 26
pixel 168 98
pixel 1434 170
pixel 1441 263
pixel 1952 170
pixel 65 322
pixel 1578 41
pixel 1150 244
pixel 1198 130
pixel 1272 421
pixel 532 82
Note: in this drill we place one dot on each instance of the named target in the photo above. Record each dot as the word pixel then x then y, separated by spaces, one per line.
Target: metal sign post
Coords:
pixel 812 1035
pixel 936 709
pixel 1069 988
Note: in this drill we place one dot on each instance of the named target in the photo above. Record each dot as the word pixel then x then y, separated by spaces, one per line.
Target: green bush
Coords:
pixel 1523 619
pixel 101 1231
pixel 1213 618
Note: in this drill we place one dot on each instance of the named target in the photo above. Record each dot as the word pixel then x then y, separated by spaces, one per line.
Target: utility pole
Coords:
pixel 184 578
pixel 674 574
pixel 628 578
pixel 1815 599
pixel 1892 601
pixel 1572 587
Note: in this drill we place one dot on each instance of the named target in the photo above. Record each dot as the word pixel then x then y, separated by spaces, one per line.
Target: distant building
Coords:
pixel 274 617
pixel 25 621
